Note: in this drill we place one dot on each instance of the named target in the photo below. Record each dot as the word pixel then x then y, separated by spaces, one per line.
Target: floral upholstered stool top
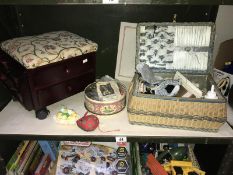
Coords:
pixel 39 50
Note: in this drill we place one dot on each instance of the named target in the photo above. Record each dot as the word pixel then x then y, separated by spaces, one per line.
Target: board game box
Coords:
pixel 97 158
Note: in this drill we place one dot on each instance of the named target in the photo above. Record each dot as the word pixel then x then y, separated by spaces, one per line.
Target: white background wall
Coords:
pixel 224 26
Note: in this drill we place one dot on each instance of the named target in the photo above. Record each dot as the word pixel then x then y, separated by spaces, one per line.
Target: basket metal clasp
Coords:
pixel 174 17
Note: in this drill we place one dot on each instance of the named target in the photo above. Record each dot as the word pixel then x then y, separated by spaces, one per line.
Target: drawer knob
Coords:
pixel 4 64
pixel 67 71
pixel 69 88
pixel 85 60
pixel 3 77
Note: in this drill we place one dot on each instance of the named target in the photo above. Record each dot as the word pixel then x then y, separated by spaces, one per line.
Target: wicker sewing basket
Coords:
pixel 177 112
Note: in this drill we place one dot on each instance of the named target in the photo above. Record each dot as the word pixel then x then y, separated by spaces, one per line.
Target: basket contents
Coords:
pixel 176 86
pixel 179 48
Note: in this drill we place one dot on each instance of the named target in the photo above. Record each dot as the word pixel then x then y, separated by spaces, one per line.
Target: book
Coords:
pixel 35 162
pixel 13 162
pixel 51 168
pixel 43 165
pixel 24 170
pixel 49 147
pixel 23 159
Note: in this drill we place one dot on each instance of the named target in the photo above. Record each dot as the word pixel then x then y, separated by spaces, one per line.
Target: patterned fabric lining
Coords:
pixel 175 47
pixel 35 51
pixel 157 46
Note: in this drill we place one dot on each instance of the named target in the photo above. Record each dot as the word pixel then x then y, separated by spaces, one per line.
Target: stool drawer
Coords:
pixel 65 89
pixel 61 71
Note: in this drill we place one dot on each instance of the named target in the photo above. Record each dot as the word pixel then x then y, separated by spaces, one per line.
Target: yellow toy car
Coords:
pixel 182 168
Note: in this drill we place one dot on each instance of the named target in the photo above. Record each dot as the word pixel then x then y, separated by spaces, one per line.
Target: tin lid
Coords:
pixel 168 47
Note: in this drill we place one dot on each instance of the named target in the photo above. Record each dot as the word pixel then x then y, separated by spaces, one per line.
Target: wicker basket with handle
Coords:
pixel 177 112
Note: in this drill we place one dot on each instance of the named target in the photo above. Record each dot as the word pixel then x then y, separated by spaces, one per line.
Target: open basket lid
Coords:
pixel 168 47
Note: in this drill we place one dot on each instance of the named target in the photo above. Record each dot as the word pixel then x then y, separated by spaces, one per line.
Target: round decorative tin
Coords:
pixel 104 107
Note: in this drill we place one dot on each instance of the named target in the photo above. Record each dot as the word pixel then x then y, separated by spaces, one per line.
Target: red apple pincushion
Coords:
pixel 88 122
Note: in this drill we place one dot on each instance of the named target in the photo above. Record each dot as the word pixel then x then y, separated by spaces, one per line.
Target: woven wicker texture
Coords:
pixel 175 114
pixel 166 122
pixel 180 108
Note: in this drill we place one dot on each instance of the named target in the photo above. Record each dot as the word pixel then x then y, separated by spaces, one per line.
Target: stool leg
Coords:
pixel 226 167
pixel 2 166
pixel 42 113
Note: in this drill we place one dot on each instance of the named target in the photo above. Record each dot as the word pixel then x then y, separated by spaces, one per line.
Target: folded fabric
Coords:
pixel 147 73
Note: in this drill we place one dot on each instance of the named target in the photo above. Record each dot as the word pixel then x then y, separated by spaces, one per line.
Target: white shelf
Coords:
pixel 16 121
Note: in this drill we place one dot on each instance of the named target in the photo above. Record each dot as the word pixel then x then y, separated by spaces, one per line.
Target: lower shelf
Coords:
pixel 95 158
